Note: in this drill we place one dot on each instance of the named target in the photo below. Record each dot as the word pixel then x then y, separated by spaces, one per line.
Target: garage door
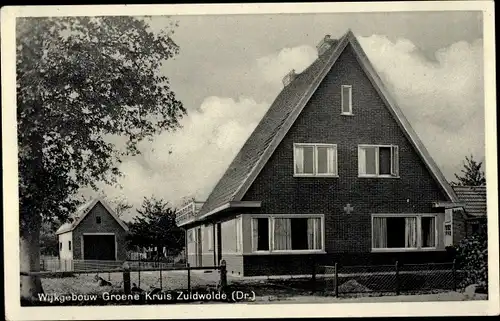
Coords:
pixel 99 247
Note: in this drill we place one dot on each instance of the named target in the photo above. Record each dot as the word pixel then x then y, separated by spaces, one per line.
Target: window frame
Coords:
pixel 190 236
pixel 210 237
pixel 342 112
pixel 271 218
pixel 315 160
pixel 419 247
pixel 239 234
pixel 377 161
pixel 448 238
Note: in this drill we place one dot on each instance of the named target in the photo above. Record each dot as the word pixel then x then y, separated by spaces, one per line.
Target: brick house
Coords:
pixel 333 173
pixel 474 200
pixel 96 233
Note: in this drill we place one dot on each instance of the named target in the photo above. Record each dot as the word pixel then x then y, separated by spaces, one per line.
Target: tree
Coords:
pixel 471 173
pixel 155 226
pixel 49 243
pixel 120 204
pixel 472 258
pixel 80 81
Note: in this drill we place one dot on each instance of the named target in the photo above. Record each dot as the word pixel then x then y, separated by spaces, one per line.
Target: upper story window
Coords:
pixel 69 245
pixel 346 98
pixel 378 161
pixel 315 160
pixel 98 219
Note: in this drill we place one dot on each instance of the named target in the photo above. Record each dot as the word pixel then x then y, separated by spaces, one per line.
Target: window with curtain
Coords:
pixel 399 232
pixel 290 233
pixel 315 159
pixel 378 161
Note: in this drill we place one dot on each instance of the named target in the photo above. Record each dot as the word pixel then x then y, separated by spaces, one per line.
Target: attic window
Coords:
pixel 98 219
pixel 346 94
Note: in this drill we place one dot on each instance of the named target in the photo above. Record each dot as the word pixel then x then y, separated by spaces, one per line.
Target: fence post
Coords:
pixel 139 273
pixel 189 276
pixel 161 279
pixel 336 280
pixel 397 278
pixel 313 278
pixel 126 278
pixel 223 275
pixel 454 272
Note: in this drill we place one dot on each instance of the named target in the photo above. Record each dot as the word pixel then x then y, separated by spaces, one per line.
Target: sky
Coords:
pixel 229 70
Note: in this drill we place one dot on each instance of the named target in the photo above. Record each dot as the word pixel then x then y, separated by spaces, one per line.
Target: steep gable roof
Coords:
pixel 285 110
pixel 474 198
pixel 82 211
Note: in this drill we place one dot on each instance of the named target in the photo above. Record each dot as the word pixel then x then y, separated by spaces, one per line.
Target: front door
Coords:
pixel 199 247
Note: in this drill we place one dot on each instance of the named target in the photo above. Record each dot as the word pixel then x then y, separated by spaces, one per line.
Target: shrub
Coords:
pixel 472 259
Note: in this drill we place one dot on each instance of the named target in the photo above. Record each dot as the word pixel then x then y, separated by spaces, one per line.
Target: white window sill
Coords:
pixel 347 114
pixel 316 175
pixel 378 176
pixel 388 250
pixel 290 252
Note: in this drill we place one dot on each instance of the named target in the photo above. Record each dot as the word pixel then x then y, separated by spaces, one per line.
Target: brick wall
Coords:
pixel 321 122
pixel 108 225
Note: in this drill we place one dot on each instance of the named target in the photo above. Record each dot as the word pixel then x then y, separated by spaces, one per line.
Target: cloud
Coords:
pixel 275 66
pixel 189 162
pixel 443 98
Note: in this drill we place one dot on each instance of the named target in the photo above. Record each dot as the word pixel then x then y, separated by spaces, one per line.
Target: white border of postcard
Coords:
pixel 197 311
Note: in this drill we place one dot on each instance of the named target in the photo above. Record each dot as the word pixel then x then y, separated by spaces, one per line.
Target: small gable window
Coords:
pixel 378 161
pixel 60 246
pixel 69 245
pixel 98 219
pixel 315 160
pixel 346 98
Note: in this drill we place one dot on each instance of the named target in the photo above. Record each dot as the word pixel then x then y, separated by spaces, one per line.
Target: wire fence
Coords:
pixel 398 278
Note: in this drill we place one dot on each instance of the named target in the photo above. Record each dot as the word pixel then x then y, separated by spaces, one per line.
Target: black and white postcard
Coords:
pixel 244 160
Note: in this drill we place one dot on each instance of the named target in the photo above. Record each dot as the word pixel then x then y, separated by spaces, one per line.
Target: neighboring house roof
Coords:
pixel 282 114
pixel 82 211
pixel 474 198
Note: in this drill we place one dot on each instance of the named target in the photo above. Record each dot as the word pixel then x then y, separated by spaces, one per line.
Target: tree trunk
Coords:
pixel 29 244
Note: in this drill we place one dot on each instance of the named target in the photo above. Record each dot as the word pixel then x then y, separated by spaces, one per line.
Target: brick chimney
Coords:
pixel 325 44
pixel 289 77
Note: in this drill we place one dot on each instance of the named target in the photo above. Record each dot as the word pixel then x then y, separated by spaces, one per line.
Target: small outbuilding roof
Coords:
pixel 474 198
pixel 82 211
